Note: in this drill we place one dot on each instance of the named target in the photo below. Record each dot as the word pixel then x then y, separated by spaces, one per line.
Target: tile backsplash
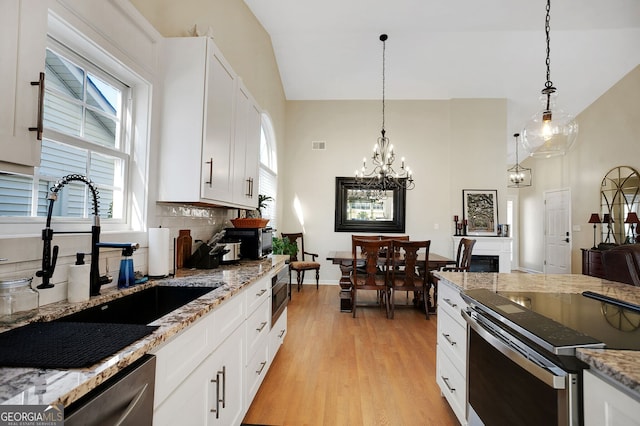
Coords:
pixel 24 254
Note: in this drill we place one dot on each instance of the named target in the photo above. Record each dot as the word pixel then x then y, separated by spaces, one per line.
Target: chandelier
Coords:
pixel 551 131
pixel 382 176
pixel 519 176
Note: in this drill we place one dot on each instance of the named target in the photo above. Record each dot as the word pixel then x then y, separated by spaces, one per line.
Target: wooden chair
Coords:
pixel 303 265
pixel 407 275
pixel 463 262
pixel 374 273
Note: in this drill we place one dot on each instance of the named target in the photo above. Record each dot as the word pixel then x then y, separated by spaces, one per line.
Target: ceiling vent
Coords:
pixel 318 145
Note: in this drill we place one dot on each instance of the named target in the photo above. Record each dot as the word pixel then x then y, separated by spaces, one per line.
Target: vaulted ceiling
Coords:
pixel 438 49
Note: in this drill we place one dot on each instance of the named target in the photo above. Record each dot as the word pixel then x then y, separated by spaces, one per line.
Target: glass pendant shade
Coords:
pixel 550 132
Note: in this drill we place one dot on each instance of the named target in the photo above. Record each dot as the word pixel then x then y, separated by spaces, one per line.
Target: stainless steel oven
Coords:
pixel 510 382
pixel 279 294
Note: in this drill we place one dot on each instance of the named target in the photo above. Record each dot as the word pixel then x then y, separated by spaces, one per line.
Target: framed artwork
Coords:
pixel 480 210
pixel 363 208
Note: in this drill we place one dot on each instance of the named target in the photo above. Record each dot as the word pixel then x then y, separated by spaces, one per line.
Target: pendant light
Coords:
pixel 383 177
pixel 519 176
pixel 552 131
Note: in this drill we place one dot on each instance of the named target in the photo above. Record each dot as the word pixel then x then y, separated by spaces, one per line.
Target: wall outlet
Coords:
pixel 436 226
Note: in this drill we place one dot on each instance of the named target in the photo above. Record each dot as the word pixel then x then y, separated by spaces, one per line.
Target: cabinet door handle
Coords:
pixel 39 125
pixel 281 333
pixel 446 382
pixel 264 290
pixel 448 338
pixel 262 326
pixel 217 382
pixel 453 305
pixel 224 385
pixel 262 365
pixel 210 163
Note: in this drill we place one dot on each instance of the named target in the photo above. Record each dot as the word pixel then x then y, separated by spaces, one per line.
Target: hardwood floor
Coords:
pixel 336 370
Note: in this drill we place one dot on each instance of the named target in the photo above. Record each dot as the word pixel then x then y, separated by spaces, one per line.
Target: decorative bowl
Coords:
pixel 250 222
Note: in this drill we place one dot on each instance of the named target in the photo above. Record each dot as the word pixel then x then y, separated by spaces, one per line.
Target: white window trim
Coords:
pixel 140 119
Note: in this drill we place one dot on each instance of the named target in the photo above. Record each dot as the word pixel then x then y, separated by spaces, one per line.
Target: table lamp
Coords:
pixel 595 218
pixel 632 218
pixel 608 220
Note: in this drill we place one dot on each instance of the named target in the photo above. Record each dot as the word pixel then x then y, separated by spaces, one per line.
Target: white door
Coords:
pixel 557 216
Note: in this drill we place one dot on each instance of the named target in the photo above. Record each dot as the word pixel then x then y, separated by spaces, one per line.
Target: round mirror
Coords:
pixel 620 195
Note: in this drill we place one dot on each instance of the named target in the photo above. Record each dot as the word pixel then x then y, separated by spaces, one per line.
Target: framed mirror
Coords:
pixel 363 208
pixel 619 195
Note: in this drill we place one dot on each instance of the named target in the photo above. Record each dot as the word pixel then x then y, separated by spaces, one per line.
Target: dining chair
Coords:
pixel 463 262
pixel 374 273
pixel 407 274
pixel 302 265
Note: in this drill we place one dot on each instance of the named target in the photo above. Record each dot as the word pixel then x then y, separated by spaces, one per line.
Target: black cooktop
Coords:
pixel 567 319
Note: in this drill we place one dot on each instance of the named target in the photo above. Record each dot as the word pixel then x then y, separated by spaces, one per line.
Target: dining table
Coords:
pixel 344 259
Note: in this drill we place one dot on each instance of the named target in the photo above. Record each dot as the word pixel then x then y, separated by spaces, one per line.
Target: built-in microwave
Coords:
pixel 255 243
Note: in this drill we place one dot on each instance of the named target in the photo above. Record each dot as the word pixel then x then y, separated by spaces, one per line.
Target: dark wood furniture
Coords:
pixel 592 263
pixel 407 275
pixel 301 265
pixel 462 264
pixel 344 259
pixel 374 273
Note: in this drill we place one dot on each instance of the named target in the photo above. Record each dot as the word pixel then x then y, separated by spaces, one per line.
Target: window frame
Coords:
pixel 109 58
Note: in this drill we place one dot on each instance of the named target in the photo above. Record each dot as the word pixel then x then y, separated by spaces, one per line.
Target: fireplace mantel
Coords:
pixel 489 246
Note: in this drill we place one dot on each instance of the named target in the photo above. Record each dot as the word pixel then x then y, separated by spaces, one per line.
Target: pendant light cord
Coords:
pixel 383 38
pixel 547 29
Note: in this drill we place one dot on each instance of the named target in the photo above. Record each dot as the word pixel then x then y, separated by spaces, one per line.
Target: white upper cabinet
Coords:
pixel 209 143
pixel 248 123
pixel 23 27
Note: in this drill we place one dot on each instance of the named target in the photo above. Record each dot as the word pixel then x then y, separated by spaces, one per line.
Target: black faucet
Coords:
pixel 49 259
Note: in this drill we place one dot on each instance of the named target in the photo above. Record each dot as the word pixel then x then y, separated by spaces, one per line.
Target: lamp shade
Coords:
pixel 632 217
pixel 607 218
pixel 595 218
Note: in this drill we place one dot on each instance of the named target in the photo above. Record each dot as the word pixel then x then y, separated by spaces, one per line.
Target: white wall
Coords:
pixel 450 145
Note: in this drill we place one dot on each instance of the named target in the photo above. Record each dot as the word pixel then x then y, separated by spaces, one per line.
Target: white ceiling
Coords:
pixel 439 49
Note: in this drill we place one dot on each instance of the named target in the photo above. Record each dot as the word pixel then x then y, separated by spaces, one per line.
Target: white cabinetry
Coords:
pixel 452 349
pixel 202 366
pixel 277 334
pixel 23 28
pixel 209 139
pixel 257 336
pixel 606 405
pixel 248 122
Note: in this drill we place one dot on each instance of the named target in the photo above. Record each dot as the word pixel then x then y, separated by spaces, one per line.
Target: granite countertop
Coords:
pixel 27 386
pixel 618 365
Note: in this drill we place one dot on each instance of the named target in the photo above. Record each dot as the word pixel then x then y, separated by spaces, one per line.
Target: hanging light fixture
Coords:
pixel 519 176
pixel 383 177
pixel 551 131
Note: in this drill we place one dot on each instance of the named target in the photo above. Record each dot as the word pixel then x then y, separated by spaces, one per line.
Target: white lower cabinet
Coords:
pixel 212 394
pixel 452 349
pixel 209 373
pixel 277 334
pixel 606 405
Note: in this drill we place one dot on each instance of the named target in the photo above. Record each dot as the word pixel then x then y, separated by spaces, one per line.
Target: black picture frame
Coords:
pixel 343 224
pixel 480 210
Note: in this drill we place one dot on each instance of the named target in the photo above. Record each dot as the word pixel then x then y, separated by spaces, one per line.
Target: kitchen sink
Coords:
pixel 142 307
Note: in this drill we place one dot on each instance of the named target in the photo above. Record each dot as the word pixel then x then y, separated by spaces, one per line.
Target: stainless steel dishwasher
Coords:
pixel 125 399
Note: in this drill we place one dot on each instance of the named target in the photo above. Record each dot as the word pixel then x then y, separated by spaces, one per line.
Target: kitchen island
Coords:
pixel 30 386
pixel 621 367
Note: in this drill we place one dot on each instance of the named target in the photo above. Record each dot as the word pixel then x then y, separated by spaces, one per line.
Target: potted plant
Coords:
pixel 284 246
pixel 262 203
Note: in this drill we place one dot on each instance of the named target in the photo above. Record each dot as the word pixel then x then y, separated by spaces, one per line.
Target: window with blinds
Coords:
pixel 83 134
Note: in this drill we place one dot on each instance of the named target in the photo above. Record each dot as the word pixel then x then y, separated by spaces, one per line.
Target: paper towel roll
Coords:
pixel 78 283
pixel 158 252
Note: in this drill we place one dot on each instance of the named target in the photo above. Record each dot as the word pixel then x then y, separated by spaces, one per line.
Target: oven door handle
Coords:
pixel 549 378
